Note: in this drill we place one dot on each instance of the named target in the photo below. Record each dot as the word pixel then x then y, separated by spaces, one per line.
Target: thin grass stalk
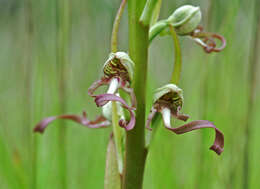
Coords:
pixel 62 43
pixel 135 144
pixel 251 98
pixel 204 107
pixel 32 143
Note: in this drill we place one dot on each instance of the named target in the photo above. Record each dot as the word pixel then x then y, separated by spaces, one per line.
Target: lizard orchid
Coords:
pixel 168 101
pixel 118 72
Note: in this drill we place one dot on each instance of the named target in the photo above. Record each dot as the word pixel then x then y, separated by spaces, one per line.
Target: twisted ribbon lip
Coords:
pixel 218 145
pixel 99 122
pixel 122 85
pixel 102 99
pixel 201 38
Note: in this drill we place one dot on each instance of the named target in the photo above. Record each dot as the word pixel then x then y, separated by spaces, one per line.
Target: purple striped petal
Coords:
pixel 102 99
pixel 218 145
pixel 98 123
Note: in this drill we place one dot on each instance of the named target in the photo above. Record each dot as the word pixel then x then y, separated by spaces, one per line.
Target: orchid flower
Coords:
pixel 168 100
pixel 118 72
pixel 185 21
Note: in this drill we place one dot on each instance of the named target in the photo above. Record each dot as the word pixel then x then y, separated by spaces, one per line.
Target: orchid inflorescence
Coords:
pixel 168 100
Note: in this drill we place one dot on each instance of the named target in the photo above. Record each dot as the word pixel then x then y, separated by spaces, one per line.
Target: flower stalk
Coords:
pixel 135 144
pixel 114 35
pixel 176 74
pixel 148 12
pixel 117 131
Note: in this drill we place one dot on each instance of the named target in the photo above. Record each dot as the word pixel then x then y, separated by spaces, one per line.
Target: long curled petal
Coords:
pixel 218 145
pixel 98 123
pixel 128 125
pixel 102 99
pixel 96 85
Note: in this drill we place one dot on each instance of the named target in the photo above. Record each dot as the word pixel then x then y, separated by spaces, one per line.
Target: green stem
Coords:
pixel 177 60
pixel 117 131
pixel 135 143
pixel 62 62
pixel 156 12
pixel 148 12
pixel 116 26
pixel 156 29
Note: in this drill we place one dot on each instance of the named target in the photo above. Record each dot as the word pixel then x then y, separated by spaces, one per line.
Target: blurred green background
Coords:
pixel 216 87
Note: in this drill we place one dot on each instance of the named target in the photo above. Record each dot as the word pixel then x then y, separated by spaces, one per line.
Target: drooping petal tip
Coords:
pixel 216 149
pixel 41 126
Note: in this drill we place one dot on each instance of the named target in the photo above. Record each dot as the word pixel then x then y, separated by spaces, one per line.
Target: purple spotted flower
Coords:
pixel 118 72
pixel 168 101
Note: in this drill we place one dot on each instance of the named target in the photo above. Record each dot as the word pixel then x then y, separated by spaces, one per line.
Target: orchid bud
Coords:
pixel 169 95
pixel 185 19
pixel 119 64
